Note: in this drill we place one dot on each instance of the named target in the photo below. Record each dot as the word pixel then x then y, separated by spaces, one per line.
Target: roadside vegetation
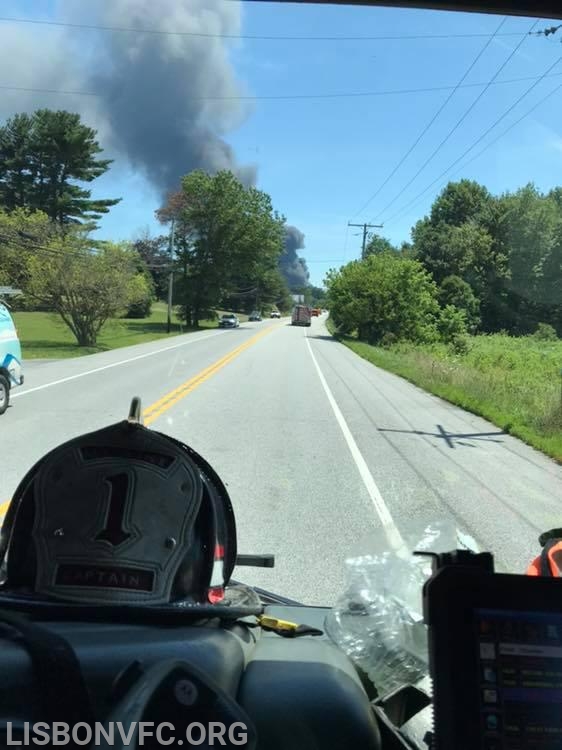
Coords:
pixel 513 382
pixel 471 310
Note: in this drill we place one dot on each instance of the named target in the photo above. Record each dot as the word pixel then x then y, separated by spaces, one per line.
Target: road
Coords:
pixel 317 446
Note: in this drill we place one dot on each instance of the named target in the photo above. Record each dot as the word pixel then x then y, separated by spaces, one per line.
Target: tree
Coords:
pixel 455 292
pixel 447 250
pixel 431 248
pixel 507 248
pixel 140 293
pixel 385 298
pixel 16 167
pixel 85 288
pixel 406 249
pixel 284 301
pixel 451 324
pixel 493 291
pixel 155 252
pixel 42 156
pixel 379 245
pixel 535 273
pixel 22 233
pixel 317 296
pixel 228 239
pixel 458 203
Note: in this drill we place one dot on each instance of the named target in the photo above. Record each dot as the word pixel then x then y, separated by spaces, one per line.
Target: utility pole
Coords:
pixel 171 277
pixel 364 227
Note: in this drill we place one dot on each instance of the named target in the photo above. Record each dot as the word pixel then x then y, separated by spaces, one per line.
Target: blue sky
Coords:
pixel 321 159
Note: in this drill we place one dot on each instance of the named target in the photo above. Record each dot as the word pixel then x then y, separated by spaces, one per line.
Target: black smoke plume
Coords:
pixel 159 100
pixel 292 266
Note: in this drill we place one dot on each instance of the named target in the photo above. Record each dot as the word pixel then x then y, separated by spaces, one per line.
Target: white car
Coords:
pixel 275 314
pixel 229 321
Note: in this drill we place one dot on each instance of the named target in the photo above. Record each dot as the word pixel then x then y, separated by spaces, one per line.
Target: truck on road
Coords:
pixel 301 316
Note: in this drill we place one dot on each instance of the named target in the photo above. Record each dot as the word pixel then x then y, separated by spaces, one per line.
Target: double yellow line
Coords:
pixel 155 410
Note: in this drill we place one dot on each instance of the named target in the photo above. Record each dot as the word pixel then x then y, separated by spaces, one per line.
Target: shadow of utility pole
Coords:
pixel 451 437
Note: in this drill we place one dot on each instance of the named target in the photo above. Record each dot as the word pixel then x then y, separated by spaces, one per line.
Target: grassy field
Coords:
pixel 45 336
pixel 514 382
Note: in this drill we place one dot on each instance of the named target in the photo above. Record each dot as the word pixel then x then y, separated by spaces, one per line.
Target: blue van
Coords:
pixel 10 358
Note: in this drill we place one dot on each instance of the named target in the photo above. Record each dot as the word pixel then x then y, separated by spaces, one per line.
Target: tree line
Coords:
pixel 226 241
pixel 222 243
pixel 478 263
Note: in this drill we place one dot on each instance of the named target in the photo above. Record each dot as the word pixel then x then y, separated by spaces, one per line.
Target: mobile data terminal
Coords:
pixel 495 656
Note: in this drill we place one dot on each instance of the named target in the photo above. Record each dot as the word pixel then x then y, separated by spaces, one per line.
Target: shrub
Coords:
pixel 455 291
pixel 384 294
pixel 139 309
pixel 460 344
pixel 545 332
pixel 139 292
pixel 451 323
pixel 388 339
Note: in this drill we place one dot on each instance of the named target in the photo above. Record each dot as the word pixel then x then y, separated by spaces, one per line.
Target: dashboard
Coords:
pixel 290 693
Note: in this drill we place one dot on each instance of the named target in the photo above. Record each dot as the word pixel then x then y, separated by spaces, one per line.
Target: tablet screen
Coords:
pixel 520 666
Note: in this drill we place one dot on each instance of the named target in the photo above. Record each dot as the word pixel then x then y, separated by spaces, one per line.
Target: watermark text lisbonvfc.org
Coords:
pixel 214 733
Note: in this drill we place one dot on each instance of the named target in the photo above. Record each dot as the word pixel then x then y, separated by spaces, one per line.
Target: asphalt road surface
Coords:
pixel 318 448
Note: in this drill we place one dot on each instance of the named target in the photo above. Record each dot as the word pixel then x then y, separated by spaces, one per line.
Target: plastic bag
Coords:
pixel 378 620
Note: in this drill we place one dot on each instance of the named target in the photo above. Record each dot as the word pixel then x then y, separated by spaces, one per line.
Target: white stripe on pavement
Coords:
pixel 113 364
pixel 382 511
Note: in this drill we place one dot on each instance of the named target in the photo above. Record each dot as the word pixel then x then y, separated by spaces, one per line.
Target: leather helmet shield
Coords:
pixel 109 530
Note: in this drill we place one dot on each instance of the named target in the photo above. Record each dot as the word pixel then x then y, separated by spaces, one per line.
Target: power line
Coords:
pixel 514 124
pixel 24 241
pixel 497 138
pixel 269 38
pixel 459 121
pixel 478 140
pixel 433 119
pixel 33 90
pixel 247 293
pixel 281 97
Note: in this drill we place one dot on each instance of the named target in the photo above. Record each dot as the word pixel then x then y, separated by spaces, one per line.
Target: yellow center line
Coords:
pixel 159 407
pixel 155 410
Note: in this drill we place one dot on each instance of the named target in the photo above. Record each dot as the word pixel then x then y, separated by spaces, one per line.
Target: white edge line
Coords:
pixel 113 364
pixel 379 504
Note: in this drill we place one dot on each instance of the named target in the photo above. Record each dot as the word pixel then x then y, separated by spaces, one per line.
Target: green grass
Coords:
pixel 513 382
pixel 45 336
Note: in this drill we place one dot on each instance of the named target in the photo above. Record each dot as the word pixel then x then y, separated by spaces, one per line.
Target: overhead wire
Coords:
pixel 247 293
pixel 453 89
pixel 494 141
pixel 269 38
pixel 18 239
pixel 284 97
pixel 457 124
pixel 431 121
pixel 478 140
